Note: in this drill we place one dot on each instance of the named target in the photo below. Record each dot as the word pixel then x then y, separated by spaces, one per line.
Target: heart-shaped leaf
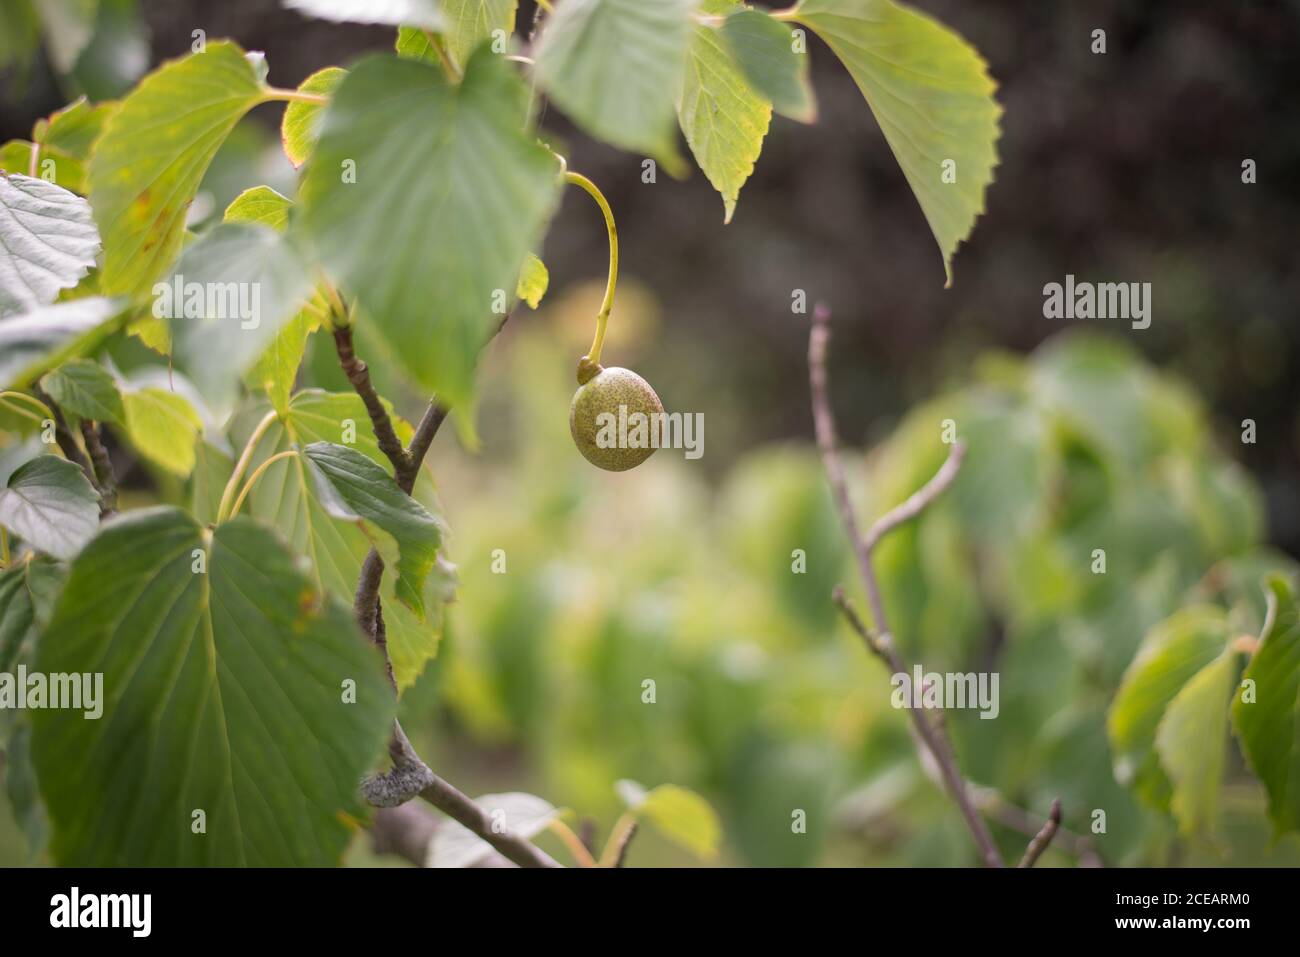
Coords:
pixel 932 96
pixel 449 195
pixel 48 241
pixel 234 694
pixel 51 505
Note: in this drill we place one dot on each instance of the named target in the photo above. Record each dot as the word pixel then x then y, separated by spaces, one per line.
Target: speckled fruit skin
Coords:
pixel 609 389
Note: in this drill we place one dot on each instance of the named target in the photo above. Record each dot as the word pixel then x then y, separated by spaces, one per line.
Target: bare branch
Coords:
pixel 919 500
pixel 881 642
pixel 995 805
pixel 1044 837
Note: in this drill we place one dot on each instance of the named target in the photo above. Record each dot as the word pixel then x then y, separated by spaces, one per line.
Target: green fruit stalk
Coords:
pixel 616 392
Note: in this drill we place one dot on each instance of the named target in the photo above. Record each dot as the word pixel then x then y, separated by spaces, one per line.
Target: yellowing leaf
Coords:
pixel 933 98
pixel 153 153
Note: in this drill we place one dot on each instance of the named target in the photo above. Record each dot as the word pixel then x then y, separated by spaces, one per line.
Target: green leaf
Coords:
pixel 277 369
pixel 48 241
pixel 420 13
pixel 1191 742
pixel 21 787
pixel 765 50
pixel 27 593
pixel 470 22
pixel 298 127
pixel 51 505
pixel 1268 726
pixel 534 280
pixel 184 111
pixel 520 814
pixel 163 427
pixel 84 388
pixel 251 280
pixel 63 144
pixel 74 129
pixel 932 95
pixel 723 118
pixel 34 343
pixel 352 487
pixel 615 67
pixel 1171 654
pixel 286 498
pixel 224 680
pixel 444 208
pixel 261 205
pixel 679 814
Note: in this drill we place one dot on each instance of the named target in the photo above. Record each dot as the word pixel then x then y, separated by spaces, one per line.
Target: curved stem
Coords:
pixel 4 547
pixel 30 400
pixel 572 843
pixel 257 474
pixel 232 486
pixel 602 318
pixel 619 837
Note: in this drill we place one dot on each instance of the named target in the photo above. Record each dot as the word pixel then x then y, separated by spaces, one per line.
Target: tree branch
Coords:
pixel 410 776
pixel 1044 837
pixel 105 480
pixel 881 642
pixel 358 374
pixel 1009 815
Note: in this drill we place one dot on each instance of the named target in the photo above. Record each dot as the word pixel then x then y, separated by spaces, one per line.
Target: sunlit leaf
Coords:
pixel 615 67
pixel 932 96
pixel 85 389
pixel 1268 724
pixel 299 126
pixel 723 118
pixel 183 111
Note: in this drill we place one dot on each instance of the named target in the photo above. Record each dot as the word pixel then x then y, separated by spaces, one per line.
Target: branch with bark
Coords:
pixel 931 734
pixel 94 462
pixel 410 777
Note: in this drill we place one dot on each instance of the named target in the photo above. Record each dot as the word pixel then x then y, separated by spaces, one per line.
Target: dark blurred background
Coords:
pixel 1117 167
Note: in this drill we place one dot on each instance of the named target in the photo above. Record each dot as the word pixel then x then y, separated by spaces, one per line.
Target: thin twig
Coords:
pixel 105 480
pixel 881 642
pixel 358 374
pixel 995 805
pixel 410 776
pixel 919 500
pixel 1043 837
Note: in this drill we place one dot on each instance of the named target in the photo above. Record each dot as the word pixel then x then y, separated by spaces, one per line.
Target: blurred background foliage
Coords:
pixel 1117 167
